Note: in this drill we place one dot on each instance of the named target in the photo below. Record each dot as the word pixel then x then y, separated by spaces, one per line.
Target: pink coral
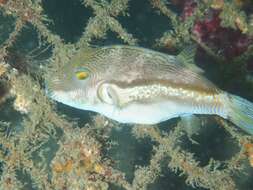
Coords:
pixel 224 41
pixel 230 42
pixel 188 9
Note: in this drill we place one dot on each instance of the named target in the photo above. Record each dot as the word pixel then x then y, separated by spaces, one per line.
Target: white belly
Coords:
pixel 143 113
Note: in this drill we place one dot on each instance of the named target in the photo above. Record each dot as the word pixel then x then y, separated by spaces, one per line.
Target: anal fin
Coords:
pixel 192 124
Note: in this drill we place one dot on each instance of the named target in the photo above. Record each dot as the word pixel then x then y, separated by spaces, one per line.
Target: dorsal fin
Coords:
pixel 186 58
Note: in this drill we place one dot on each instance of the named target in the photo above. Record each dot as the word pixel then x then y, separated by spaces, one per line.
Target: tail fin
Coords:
pixel 240 113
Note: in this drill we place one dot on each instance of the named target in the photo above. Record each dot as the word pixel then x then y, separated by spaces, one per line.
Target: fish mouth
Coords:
pixel 54 90
pixel 52 94
pixel 48 90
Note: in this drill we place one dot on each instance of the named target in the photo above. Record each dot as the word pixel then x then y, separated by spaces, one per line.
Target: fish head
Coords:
pixel 76 83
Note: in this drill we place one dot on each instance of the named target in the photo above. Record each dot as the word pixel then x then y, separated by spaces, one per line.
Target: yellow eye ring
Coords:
pixel 81 75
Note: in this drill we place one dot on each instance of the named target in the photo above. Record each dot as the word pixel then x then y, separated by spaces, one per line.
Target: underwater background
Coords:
pixel 48 145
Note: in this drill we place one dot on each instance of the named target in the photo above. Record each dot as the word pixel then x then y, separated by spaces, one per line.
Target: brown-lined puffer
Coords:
pixel 137 85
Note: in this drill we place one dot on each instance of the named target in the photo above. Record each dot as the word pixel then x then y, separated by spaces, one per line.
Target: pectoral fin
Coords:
pixel 192 125
pixel 108 94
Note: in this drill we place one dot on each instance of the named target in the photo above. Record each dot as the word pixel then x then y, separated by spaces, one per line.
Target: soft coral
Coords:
pixel 230 42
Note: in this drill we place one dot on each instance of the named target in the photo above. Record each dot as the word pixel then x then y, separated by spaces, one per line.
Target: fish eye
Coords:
pixel 82 75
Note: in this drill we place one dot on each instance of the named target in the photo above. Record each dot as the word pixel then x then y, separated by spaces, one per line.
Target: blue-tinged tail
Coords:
pixel 240 112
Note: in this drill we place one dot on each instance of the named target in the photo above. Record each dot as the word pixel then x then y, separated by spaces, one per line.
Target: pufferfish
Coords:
pixel 141 86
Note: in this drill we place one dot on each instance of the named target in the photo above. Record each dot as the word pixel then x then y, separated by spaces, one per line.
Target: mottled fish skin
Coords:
pixel 135 85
